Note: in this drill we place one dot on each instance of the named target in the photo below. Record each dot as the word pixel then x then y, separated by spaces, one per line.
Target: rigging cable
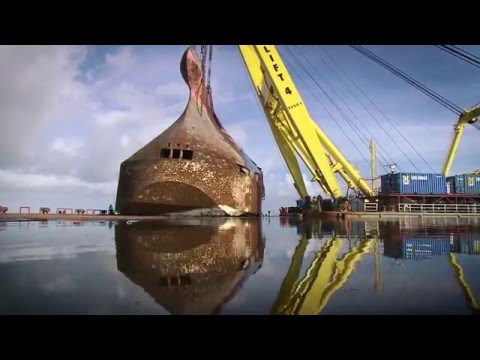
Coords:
pixel 381 112
pixel 390 160
pixel 349 122
pixel 209 88
pixel 429 92
pixel 465 56
pixel 460 54
pixel 328 112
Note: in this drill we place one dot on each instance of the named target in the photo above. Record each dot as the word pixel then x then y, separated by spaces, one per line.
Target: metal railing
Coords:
pixel 439 208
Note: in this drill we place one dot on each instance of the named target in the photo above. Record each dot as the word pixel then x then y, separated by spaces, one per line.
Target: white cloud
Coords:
pixel 16 181
pixel 69 147
pixel 176 89
pixel 35 83
pixel 238 132
pixel 122 60
pixel 125 140
pixel 114 117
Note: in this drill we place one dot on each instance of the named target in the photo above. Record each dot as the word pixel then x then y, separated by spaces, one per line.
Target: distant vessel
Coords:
pixel 193 166
pixel 190 266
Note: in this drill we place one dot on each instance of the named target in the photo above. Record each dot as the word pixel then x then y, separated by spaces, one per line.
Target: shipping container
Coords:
pixel 464 184
pixel 456 184
pixel 472 184
pixel 357 205
pixel 413 183
pixel 467 243
pixel 415 247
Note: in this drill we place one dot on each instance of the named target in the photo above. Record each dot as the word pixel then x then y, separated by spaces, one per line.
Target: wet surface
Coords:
pixel 234 266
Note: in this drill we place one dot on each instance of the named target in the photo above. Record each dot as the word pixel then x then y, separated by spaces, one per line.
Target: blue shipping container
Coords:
pixel 413 183
pixel 456 184
pixel 425 246
pixel 385 184
pixel 464 184
pixel 472 184
pixel 468 243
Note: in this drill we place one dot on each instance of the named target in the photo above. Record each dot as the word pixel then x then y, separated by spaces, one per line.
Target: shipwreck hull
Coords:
pixel 194 164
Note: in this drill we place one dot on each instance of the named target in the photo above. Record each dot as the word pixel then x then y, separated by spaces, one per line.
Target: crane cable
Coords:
pixel 345 117
pixel 321 104
pixel 380 124
pixel 206 51
pixel 390 160
pixel 356 129
pixel 461 54
pixel 453 50
pixel 382 113
pixel 429 92
pixel 209 88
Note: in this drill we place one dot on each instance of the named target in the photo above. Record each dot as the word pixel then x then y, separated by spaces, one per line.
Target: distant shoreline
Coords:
pixel 44 217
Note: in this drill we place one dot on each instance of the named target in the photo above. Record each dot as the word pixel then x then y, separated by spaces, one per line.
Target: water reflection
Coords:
pixel 343 245
pixel 328 271
pixel 205 266
pixel 190 266
pixel 421 241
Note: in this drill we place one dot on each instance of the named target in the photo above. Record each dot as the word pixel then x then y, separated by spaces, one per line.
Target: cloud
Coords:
pixel 238 132
pixel 67 147
pixel 16 181
pixel 36 81
pixel 121 60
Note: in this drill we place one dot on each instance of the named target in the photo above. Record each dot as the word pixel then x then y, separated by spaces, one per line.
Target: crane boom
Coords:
pixel 469 116
pixel 293 129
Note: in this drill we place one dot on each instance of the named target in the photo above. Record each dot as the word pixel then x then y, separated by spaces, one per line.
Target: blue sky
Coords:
pixel 71 114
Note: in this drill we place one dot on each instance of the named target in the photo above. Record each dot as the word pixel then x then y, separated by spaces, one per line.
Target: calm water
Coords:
pixel 231 266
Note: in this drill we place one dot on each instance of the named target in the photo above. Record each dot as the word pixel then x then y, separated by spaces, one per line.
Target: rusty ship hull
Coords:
pixel 194 165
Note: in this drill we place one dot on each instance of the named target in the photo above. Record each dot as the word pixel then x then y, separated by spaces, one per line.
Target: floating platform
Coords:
pixel 194 166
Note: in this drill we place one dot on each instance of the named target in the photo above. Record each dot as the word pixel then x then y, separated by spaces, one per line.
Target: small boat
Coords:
pixel 194 167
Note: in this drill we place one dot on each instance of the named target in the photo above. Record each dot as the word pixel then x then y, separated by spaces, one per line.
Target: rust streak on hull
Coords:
pixel 194 164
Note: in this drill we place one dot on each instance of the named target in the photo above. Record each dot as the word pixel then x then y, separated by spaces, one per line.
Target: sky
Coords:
pixel 71 114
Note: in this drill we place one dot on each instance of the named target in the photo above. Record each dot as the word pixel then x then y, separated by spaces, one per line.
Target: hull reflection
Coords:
pixel 191 266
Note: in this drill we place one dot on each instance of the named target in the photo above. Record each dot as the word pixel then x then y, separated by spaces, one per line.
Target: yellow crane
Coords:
pixel 469 116
pixel 293 129
pixel 325 275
